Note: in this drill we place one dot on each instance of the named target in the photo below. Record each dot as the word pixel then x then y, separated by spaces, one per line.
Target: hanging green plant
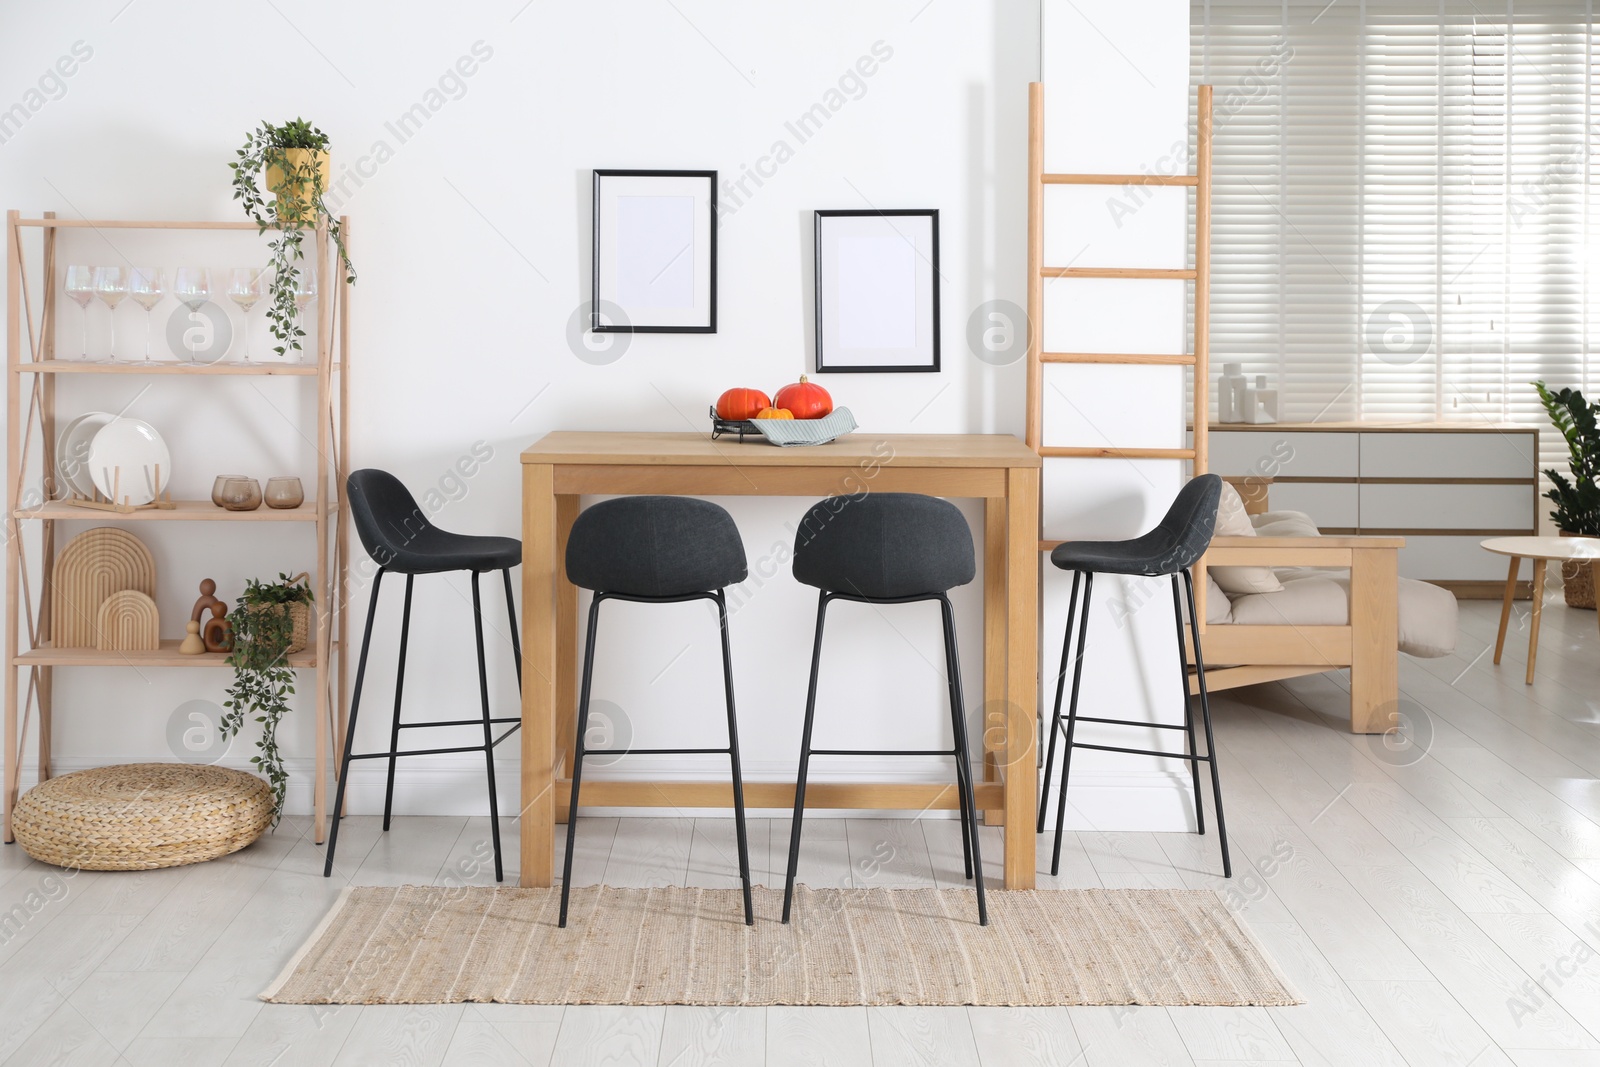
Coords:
pixel 263 681
pixel 294 162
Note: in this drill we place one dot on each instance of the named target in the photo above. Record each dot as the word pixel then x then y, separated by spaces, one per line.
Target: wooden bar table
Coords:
pixel 562 466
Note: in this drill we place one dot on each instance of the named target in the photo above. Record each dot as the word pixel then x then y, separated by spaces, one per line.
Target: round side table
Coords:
pixel 1540 550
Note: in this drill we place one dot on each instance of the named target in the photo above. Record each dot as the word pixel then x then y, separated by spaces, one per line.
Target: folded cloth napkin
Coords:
pixel 786 432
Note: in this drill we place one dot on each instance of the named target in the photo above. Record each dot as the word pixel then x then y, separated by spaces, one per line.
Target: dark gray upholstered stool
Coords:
pixel 398 536
pixel 1174 546
pixel 888 548
pixel 656 550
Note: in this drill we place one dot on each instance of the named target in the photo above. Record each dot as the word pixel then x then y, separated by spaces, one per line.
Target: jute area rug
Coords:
pixel 447 945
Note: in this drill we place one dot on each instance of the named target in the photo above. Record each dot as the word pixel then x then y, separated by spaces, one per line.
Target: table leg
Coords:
pixel 1505 606
pixel 995 718
pixel 1538 607
pixel 539 669
pixel 1022 674
pixel 566 679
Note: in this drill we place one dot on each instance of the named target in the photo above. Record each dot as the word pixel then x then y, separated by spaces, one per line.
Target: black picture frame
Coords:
pixel 930 263
pixel 709 325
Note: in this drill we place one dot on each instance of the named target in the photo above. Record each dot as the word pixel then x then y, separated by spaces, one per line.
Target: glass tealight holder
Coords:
pixel 241 494
pixel 285 493
pixel 217 486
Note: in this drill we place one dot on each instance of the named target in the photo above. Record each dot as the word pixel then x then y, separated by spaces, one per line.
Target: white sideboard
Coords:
pixel 1444 487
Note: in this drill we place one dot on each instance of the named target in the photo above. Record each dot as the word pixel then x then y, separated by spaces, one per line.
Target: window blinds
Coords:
pixel 1406 225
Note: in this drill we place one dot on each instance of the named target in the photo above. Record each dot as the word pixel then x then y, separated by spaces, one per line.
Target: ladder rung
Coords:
pixel 1120 179
pixel 1095 452
pixel 1179 360
pixel 1170 273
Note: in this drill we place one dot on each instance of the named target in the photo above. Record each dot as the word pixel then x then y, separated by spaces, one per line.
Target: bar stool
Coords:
pixel 1170 549
pixel 656 550
pixel 888 548
pixel 398 536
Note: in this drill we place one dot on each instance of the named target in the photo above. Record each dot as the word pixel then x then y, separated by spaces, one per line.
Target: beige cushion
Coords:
pixel 1284 524
pixel 1233 522
pixel 1312 597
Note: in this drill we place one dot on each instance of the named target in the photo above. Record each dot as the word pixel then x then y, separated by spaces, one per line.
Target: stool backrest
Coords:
pixel 386 516
pixel 1190 522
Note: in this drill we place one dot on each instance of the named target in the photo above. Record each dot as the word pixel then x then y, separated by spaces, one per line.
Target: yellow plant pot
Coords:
pixel 298 161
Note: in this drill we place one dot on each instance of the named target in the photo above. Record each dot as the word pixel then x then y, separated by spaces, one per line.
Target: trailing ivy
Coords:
pixel 263 681
pixel 292 214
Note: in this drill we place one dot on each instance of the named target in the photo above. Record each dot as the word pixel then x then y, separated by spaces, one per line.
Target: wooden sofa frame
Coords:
pixel 1369 645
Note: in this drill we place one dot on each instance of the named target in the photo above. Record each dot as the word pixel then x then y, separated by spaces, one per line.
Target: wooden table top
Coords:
pixel 1578 548
pixel 851 450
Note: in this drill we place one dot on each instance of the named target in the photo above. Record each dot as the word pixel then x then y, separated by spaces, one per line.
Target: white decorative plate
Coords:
pixel 124 460
pixel 72 451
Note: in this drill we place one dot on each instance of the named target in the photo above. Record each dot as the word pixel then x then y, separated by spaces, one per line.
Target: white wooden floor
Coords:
pixel 1443 911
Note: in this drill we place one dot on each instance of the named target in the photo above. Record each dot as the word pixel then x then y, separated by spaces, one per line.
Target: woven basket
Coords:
pixel 140 816
pixel 299 616
pixel 1577 582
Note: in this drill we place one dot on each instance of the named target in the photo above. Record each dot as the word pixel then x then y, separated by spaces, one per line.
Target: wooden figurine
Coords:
pixel 218 631
pixel 192 644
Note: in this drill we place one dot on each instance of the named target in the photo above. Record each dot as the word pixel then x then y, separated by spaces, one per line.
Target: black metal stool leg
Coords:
pixel 1205 718
pixel 488 730
pixel 733 753
pixel 516 637
pixel 1188 710
pixel 399 688
pixel 952 682
pixel 805 760
pixel 350 731
pixel 958 713
pixel 1072 721
pixel 1061 685
pixel 577 755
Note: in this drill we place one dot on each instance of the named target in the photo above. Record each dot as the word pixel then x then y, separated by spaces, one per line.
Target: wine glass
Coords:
pixel 305 291
pixel 111 285
pixel 147 286
pixel 80 288
pixel 192 287
pixel 245 287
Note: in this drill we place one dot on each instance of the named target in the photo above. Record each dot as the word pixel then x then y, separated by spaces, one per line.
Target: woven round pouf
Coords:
pixel 140 816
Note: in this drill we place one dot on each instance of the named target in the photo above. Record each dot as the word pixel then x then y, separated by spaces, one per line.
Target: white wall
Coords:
pixel 472 236
pixel 1116 81
pixel 472 243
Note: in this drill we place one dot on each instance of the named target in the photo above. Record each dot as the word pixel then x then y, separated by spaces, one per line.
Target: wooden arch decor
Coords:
pixel 127 621
pixel 93 566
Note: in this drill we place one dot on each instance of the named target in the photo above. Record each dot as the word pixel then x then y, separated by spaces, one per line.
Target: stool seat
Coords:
pixel 397 534
pixel 884 546
pixel 1174 545
pixel 655 546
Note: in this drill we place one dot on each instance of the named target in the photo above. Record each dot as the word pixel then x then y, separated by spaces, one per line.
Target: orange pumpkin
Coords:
pixel 741 403
pixel 774 413
pixel 805 399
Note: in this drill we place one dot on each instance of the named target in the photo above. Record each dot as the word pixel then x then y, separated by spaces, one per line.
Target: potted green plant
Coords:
pixel 272 620
pixel 294 162
pixel 1577 500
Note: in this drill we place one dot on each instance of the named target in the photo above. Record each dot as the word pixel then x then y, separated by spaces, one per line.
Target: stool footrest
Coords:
pixel 1131 722
pixel 1143 752
pixel 654 752
pixel 453 722
pixel 882 752
pixel 414 752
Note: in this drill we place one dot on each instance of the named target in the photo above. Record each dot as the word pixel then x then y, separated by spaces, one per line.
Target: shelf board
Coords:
pixel 144 224
pixel 227 366
pixel 185 511
pixel 165 656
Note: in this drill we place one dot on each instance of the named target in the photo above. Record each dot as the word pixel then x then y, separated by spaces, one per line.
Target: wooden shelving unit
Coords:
pixel 32 373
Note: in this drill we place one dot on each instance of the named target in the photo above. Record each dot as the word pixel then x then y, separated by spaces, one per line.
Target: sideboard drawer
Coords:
pixel 1446 507
pixel 1285 454
pixel 1447 455
pixel 1331 505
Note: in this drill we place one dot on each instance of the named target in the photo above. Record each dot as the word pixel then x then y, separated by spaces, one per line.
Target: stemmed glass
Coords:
pixel 147 286
pixel 192 287
pixel 111 285
pixel 245 287
pixel 305 291
pixel 80 288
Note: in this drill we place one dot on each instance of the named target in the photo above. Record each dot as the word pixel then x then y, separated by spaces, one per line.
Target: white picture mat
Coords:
pixel 876 291
pixel 655 257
